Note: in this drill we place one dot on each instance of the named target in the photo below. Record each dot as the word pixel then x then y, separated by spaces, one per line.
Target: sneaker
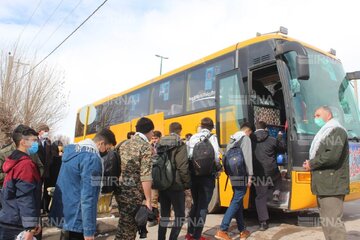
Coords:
pixel 222 235
pixel 263 226
pixel 276 198
pixel 244 234
pixel 188 236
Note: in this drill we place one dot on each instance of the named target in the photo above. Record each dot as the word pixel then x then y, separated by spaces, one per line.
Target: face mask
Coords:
pixel 33 149
pixel 319 121
pixel 45 135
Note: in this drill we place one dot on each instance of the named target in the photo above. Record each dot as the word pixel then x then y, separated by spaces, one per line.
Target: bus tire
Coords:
pixel 214 205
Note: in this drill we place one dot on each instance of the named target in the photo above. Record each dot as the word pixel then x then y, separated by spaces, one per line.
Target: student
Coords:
pixel 78 186
pixel 21 193
pixel 202 186
pixel 174 195
pixel 239 184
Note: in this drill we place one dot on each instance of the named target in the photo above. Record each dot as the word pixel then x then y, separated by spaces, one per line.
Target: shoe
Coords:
pixel 188 236
pixel 244 234
pixel 203 238
pixel 222 235
pixel 263 226
pixel 276 198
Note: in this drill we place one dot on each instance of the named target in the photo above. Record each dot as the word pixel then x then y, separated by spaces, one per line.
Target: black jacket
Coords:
pixel 265 149
pixel 111 172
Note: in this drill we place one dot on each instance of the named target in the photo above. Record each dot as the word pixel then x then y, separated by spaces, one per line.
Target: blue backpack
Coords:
pixel 234 162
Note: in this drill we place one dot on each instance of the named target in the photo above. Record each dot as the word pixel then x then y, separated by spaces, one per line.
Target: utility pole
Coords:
pixel 161 59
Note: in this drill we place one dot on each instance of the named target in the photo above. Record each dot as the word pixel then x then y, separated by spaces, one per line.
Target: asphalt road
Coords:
pixel 283 226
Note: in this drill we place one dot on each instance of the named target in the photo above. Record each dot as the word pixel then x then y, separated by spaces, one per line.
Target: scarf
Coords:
pixel 322 134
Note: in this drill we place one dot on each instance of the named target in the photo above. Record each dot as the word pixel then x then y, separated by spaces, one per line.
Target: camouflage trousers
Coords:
pixel 127 228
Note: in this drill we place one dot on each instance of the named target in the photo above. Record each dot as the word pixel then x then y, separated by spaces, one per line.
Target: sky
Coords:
pixel 115 50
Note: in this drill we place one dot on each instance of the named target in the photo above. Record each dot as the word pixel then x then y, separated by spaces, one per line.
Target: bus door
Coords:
pixel 267 104
pixel 231 112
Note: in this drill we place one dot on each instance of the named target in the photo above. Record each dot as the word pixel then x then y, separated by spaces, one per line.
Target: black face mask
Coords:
pixel 102 154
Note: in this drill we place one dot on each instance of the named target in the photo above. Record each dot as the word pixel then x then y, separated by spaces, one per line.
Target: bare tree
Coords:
pixel 29 96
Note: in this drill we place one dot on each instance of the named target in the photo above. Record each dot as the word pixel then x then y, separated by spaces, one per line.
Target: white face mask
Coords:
pixel 45 135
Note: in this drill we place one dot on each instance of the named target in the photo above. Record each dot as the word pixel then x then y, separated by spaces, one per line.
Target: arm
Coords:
pixel 2 174
pixel 330 157
pixel 247 151
pixel 215 144
pixel 26 191
pixel 182 166
pixel 90 173
pixel 145 173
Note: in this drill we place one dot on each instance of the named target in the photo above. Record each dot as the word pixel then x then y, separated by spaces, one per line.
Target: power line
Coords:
pixel 58 46
pixel 62 22
pixel 32 15
pixel 44 24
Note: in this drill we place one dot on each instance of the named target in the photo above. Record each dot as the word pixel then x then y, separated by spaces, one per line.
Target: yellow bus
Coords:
pixel 226 86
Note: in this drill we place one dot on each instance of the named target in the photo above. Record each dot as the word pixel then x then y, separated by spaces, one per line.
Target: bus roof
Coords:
pixel 224 51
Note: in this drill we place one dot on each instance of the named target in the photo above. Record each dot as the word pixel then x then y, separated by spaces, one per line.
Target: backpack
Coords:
pixel 233 161
pixel 163 172
pixel 203 157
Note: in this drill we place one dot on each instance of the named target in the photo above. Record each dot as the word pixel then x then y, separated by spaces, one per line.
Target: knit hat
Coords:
pixel 144 125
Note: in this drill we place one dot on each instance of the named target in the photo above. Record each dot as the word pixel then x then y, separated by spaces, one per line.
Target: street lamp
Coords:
pixel 161 59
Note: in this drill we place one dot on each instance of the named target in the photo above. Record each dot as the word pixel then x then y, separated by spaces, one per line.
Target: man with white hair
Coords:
pixel 329 166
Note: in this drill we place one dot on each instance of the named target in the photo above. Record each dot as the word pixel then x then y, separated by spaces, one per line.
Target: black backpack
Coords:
pixel 163 172
pixel 233 161
pixel 203 157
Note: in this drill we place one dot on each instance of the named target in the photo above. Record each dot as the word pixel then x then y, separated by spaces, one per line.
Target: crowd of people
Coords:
pixel 156 178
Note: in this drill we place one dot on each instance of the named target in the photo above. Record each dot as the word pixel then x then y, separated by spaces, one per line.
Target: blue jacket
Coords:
pixel 21 193
pixel 74 206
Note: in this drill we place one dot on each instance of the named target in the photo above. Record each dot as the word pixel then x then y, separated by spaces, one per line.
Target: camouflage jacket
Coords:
pixel 6 151
pixel 136 167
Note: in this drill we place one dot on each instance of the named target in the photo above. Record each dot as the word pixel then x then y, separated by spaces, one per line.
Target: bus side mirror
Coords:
pixel 353 75
pixel 302 66
pixel 302 60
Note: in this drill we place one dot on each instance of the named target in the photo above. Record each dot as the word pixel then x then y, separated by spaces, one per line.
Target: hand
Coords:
pixel 37 230
pixel 249 181
pixel 306 165
pixel 148 205
pixel 89 238
pixel 28 236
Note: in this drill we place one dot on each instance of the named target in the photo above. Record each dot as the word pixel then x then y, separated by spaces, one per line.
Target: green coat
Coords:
pixel 330 167
pixel 6 151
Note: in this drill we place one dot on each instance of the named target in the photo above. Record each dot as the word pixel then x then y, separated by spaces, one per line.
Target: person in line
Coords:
pixel 329 166
pixel 129 135
pixel 239 185
pixel 21 191
pixel 74 206
pixel 135 178
pixel 154 192
pixel 266 170
pixel 202 186
pixel 174 195
pixel 45 156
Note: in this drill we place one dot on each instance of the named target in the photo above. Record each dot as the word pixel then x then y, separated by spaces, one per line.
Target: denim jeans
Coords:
pixel 202 190
pixel 177 200
pixel 235 210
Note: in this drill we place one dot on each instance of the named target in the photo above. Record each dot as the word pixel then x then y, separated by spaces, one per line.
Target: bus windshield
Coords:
pixel 327 85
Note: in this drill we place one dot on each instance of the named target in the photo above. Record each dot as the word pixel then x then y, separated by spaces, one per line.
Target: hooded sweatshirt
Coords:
pixel 21 192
